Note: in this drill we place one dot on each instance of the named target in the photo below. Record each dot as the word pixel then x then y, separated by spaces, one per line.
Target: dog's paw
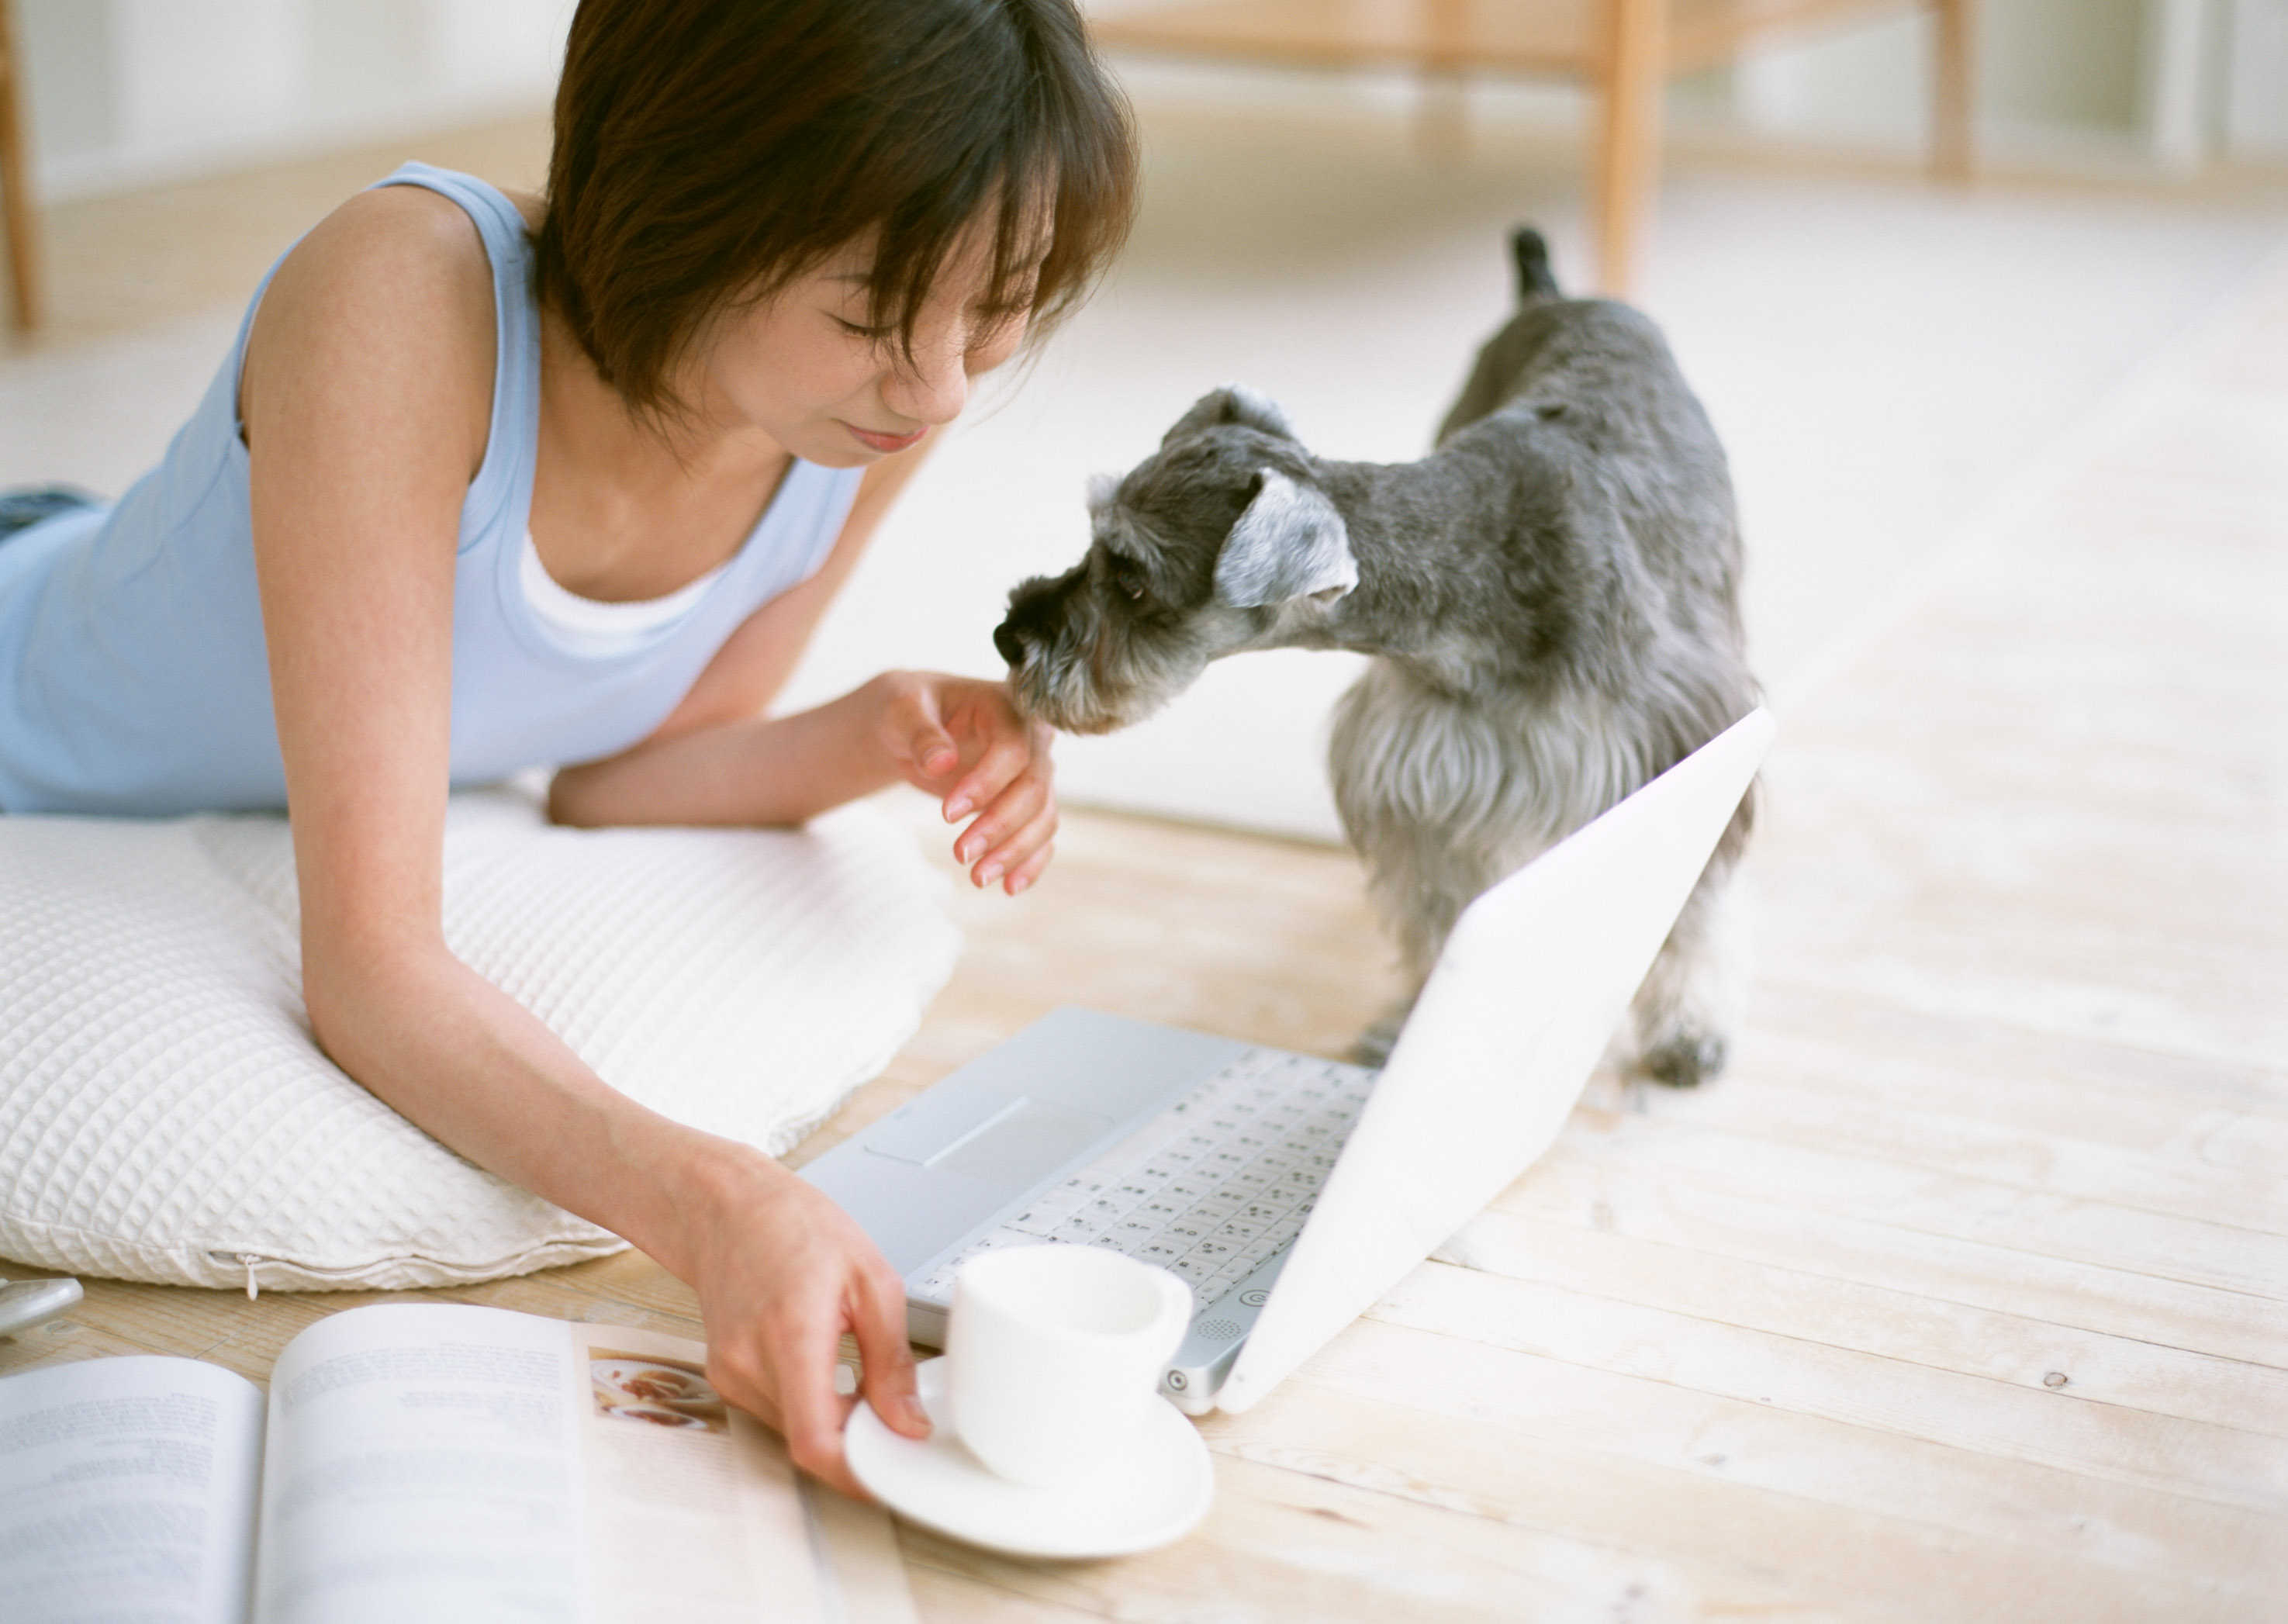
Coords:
pixel 1687 1060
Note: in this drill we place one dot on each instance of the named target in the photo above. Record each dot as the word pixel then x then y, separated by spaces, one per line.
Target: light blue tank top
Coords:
pixel 133 677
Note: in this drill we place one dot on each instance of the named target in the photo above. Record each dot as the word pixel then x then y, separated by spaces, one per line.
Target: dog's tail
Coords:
pixel 1534 280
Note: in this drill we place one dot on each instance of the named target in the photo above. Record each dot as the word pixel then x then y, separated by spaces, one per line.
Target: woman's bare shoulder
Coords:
pixel 407 241
pixel 395 282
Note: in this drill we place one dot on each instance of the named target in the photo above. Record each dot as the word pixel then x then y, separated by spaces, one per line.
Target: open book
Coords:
pixel 422 1463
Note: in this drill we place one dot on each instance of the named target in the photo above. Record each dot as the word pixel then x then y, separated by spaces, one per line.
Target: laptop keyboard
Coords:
pixel 1212 1188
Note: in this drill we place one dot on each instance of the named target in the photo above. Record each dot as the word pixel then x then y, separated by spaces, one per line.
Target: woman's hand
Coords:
pixel 962 740
pixel 782 1272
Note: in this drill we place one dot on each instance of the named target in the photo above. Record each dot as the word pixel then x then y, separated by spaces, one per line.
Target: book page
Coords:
pixel 127 1491
pixel 423 1463
pixel 695 1513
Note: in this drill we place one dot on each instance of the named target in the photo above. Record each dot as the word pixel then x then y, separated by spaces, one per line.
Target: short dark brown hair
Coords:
pixel 708 152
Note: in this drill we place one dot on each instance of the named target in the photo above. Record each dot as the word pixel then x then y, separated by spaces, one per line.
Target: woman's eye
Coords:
pixel 860 329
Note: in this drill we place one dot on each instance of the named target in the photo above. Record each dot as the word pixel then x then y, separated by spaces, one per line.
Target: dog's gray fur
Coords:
pixel 1550 599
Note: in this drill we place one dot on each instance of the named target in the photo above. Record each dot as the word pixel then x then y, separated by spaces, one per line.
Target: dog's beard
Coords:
pixel 1083 690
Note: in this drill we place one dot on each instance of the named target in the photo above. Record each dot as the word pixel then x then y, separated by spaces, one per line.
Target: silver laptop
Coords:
pixel 1293 1191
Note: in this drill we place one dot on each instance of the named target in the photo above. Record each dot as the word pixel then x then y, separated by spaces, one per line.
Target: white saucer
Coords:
pixel 1155 1495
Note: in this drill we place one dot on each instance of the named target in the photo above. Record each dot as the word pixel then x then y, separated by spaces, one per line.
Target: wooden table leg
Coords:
pixel 15 182
pixel 1442 119
pixel 1635 71
pixel 1951 153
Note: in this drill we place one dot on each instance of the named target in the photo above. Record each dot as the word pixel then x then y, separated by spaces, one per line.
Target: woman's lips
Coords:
pixel 872 442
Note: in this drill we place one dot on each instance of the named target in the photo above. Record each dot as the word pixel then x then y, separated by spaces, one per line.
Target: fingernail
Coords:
pixel 915 1413
pixel 940 760
pixel 1017 885
pixel 988 873
pixel 956 810
pixel 967 849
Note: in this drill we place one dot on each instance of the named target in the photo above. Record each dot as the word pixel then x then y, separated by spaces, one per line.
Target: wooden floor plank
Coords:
pixel 1799 1107
pixel 1301 1545
pixel 1978 1414
pixel 1940 1203
pixel 1879 1320
pixel 1567 1450
pixel 2167 1105
pixel 1752 1225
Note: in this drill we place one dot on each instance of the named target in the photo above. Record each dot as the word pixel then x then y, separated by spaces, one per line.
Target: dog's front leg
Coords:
pixel 1417 779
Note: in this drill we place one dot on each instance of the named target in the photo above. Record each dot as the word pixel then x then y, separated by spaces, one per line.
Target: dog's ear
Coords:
pixel 1102 487
pixel 1290 543
pixel 1232 403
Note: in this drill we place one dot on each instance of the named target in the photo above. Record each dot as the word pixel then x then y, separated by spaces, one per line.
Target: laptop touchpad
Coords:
pixel 1022 1142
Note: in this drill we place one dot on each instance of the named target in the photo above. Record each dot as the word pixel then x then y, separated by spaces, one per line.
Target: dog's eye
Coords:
pixel 1129 579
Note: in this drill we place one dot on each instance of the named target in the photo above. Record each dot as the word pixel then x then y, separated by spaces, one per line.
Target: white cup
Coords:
pixel 1054 1355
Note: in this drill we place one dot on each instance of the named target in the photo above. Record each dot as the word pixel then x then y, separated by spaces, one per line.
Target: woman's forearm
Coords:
pixel 461 1059
pixel 769 772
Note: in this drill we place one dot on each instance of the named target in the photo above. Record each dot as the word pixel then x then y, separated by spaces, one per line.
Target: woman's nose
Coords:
pixel 932 387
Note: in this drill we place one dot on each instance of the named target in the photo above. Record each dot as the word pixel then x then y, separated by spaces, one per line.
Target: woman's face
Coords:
pixel 805 368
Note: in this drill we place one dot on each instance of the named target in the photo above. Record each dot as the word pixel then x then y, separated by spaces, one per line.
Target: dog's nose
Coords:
pixel 1011 645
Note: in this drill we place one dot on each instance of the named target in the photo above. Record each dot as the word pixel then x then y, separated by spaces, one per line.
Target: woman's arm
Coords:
pixel 717 760
pixel 367 395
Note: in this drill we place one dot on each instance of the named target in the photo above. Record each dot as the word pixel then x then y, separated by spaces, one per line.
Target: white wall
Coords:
pixel 2178 83
pixel 125 92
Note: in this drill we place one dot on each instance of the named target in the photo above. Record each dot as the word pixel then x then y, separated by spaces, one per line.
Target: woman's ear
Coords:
pixel 1290 543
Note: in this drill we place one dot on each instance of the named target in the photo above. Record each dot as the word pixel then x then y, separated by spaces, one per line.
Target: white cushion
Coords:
pixel 166 1116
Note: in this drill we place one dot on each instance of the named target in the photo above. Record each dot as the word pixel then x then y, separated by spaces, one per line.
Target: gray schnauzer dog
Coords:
pixel 1550 600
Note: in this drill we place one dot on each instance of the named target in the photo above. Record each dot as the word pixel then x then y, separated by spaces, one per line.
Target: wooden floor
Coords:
pixel 1963 1298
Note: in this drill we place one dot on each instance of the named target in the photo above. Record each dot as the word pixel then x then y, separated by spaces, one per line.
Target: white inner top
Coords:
pixel 595 627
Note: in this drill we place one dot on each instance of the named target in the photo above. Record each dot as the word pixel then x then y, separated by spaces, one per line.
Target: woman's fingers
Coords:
pixel 928 745
pixel 1005 860
pixel 879 1321
pixel 1025 872
pixel 1009 753
pixel 1018 806
pixel 811 1412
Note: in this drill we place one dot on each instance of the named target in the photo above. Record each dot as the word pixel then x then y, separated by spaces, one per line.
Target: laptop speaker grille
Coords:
pixel 1216 1330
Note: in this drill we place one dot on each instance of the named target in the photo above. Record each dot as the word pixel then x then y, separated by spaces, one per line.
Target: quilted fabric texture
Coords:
pixel 166 1116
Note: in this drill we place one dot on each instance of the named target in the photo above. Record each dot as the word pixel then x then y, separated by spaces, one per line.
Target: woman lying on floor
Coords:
pixel 493 481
